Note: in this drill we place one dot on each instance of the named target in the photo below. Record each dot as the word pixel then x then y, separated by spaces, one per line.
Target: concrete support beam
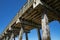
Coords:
pixel 21 34
pixel 4 38
pixel 45 27
pixel 26 22
pixel 39 35
pixel 26 35
pixel 12 35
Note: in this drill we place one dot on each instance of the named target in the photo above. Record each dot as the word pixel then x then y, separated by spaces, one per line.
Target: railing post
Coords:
pixel 45 26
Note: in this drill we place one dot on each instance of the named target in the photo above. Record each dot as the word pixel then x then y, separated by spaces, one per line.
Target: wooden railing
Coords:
pixel 25 7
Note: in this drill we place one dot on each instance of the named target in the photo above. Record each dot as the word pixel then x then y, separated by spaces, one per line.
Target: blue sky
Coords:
pixel 9 8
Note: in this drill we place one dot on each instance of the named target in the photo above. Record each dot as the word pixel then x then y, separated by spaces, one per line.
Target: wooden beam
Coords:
pixel 54 2
pixel 48 7
pixel 30 15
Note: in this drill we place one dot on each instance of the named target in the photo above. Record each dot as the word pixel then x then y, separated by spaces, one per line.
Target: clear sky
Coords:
pixel 9 8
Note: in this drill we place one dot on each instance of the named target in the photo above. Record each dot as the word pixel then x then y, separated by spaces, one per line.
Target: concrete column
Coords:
pixel 4 38
pixel 26 35
pixel 7 37
pixel 21 33
pixel 39 35
pixel 12 35
pixel 45 28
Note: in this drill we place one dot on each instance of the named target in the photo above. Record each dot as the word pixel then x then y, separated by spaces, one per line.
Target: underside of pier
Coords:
pixel 35 14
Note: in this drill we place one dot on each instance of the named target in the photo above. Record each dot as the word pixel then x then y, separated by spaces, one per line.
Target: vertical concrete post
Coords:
pixel 12 35
pixel 7 37
pixel 21 33
pixel 26 35
pixel 45 28
pixel 39 35
pixel 4 38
